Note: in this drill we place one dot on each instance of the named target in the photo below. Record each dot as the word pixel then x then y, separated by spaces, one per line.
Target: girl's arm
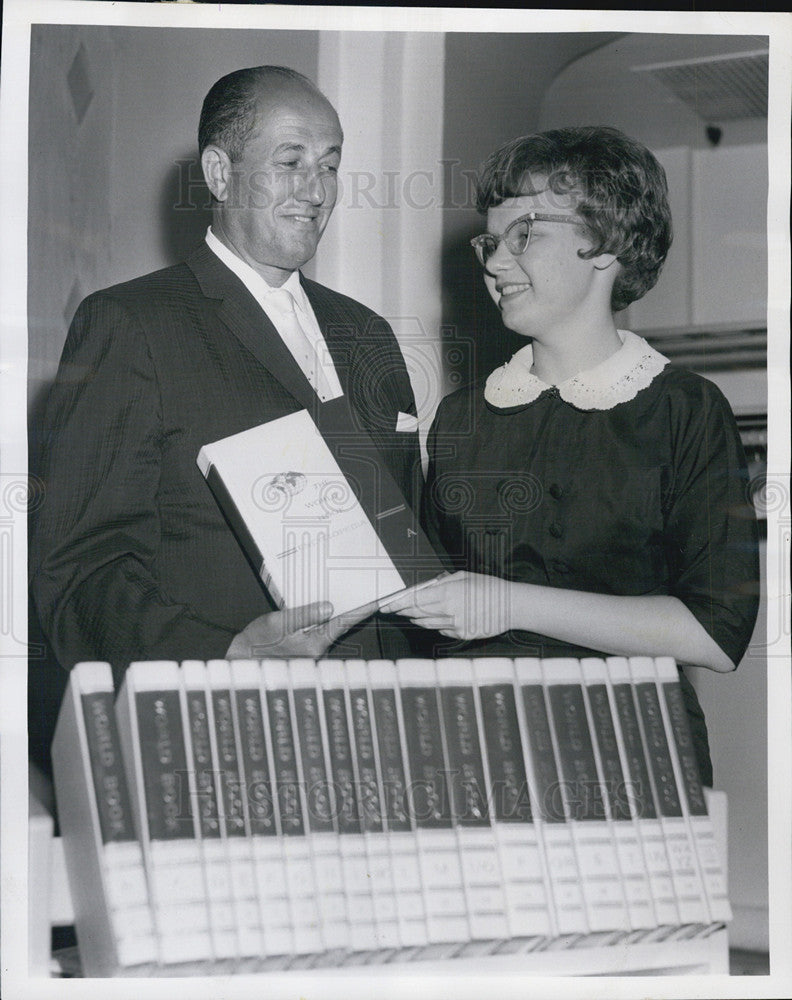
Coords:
pixel 470 606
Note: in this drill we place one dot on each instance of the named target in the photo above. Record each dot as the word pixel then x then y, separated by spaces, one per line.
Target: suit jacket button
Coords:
pixel 556 492
pixel 556 530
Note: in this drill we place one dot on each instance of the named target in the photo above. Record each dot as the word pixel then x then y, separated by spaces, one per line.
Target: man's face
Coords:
pixel 280 195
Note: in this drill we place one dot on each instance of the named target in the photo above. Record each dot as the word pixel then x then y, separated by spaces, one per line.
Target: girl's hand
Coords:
pixel 462 606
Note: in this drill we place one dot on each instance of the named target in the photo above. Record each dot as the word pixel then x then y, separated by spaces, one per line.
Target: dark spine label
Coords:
pixel 257 779
pixel 612 773
pixel 508 781
pixel 394 782
pixel 429 798
pixel 228 760
pixel 548 788
pixel 468 787
pixel 657 749
pixel 164 765
pixel 203 767
pixel 688 763
pixel 286 777
pixel 370 802
pixel 317 790
pixel 107 768
pixel 341 762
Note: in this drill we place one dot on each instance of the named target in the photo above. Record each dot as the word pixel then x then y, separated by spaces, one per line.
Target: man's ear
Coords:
pixel 216 168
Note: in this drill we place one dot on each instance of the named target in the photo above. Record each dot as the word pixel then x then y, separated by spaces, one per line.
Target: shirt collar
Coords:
pixel 615 380
pixel 251 279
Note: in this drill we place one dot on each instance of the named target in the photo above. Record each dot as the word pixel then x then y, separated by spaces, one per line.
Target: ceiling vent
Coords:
pixel 717 88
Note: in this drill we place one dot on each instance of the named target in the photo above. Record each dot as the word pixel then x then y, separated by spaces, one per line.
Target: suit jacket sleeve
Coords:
pixel 95 538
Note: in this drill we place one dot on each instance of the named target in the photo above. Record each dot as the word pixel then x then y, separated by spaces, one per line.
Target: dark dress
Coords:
pixel 647 497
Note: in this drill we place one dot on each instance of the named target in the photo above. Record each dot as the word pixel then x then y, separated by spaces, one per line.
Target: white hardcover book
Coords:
pixel 308 534
pixel 482 878
pixel 400 823
pixel 690 895
pixel 694 804
pixel 265 829
pixel 204 796
pixel 313 771
pixel 234 813
pixel 148 710
pixel 585 803
pixel 438 853
pixel 514 812
pixel 110 897
pixel 301 889
pixel 556 834
pixel 351 842
pixel 641 797
pixel 632 866
pixel 372 813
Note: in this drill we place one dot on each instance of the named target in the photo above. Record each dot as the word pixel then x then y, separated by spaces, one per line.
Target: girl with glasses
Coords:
pixel 592 498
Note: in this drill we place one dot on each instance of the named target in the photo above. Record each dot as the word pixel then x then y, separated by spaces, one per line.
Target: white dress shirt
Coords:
pixel 326 385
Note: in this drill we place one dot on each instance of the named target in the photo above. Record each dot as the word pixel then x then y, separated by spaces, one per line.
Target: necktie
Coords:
pixel 298 341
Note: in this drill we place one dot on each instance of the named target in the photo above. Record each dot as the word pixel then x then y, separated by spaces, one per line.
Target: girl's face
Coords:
pixel 549 285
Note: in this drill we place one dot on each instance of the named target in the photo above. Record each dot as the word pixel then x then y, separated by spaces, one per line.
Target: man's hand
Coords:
pixel 305 631
pixel 462 606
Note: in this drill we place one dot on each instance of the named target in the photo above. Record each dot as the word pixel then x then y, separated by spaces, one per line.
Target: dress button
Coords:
pixel 556 492
pixel 556 530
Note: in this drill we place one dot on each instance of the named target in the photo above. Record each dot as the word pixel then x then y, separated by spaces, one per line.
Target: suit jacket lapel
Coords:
pixel 246 320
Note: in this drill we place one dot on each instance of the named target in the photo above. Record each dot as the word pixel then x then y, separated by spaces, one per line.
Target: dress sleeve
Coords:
pixel 711 530
pixel 96 536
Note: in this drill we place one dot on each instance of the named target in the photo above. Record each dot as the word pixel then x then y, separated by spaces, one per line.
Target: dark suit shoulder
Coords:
pixel 329 298
pixel 161 284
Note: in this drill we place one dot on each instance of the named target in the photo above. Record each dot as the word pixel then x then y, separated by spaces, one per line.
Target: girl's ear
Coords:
pixel 604 260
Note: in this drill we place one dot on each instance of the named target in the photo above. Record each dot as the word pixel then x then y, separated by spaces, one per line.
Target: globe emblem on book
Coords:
pixel 288 483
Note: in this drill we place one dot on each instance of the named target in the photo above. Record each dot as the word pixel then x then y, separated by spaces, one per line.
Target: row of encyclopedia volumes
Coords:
pixel 268 814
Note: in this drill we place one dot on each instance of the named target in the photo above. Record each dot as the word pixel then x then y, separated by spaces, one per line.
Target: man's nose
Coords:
pixel 310 186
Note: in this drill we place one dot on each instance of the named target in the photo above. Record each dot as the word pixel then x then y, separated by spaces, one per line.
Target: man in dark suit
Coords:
pixel 131 557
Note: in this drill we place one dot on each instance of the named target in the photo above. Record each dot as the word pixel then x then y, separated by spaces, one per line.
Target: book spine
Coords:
pixel 694 804
pixel 641 796
pixel 308 941
pixel 371 809
pixel 624 829
pixel 320 812
pixel 113 916
pixel 352 844
pixel 526 879
pixel 482 877
pixel 441 871
pixel 149 717
pixel 560 857
pixel 584 802
pixel 234 816
pixel 401 831
pixel 202 774
pixel 263 563
pixel 681 851
pixel 269 885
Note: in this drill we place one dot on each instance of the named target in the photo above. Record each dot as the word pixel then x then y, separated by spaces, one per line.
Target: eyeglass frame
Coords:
pixel 478 241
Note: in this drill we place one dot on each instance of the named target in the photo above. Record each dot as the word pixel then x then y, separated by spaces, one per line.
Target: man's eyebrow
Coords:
pixel 299 147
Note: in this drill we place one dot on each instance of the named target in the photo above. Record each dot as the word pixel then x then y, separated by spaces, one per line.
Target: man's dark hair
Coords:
pixel 230 109
pixel 620 188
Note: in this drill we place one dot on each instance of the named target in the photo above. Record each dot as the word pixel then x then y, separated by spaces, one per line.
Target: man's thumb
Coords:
pixel 309 614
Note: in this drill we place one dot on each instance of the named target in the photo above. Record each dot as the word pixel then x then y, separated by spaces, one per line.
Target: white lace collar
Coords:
pixel 615 380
